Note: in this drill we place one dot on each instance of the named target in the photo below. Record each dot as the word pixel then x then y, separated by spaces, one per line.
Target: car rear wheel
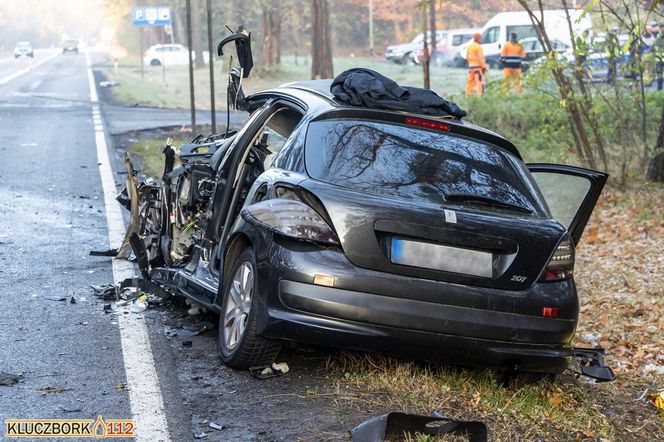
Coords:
pixel 155 62
pixel 239 345
pixel 409 59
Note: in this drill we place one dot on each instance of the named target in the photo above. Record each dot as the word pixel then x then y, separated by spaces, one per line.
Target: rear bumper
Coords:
pixel 416 344
pixel 423 319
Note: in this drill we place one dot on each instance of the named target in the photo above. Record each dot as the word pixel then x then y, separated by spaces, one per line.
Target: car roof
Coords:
pixel 316 96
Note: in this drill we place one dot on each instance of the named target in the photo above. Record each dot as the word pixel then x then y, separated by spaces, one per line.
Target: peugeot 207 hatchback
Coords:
pixel 377 230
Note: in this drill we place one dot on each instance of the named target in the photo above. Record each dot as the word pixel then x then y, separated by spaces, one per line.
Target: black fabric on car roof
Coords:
pixel 364 87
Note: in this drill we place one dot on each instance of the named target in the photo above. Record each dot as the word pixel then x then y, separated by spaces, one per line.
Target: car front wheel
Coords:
pixel 155 62
pixel 239 345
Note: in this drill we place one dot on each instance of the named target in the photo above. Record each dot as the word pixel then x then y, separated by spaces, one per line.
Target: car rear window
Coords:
pixel 415 164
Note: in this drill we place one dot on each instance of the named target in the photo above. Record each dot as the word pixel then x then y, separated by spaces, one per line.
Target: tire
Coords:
pixel 239 345
pixel 409 60
pixel 155 62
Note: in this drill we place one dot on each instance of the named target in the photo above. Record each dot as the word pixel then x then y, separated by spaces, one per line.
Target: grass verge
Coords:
pixel 565 410
pixel 171 87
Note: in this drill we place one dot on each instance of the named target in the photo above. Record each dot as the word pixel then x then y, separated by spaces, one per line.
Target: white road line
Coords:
pixel 25 70
pixel 147 404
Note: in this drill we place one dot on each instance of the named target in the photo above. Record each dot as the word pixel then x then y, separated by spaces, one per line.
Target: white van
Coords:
pixel 498 29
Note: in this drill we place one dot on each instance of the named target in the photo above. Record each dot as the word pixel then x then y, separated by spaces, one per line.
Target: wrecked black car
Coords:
pixel 364 228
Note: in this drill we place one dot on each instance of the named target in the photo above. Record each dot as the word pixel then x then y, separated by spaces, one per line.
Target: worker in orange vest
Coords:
pixel 476 67
pixel 512 57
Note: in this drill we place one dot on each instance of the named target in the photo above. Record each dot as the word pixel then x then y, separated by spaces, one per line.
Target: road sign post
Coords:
pixel 191 68
pixel 211 66
pixel 142 16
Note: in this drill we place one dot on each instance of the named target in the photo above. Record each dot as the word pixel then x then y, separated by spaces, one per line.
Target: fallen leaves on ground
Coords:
pixel 620 279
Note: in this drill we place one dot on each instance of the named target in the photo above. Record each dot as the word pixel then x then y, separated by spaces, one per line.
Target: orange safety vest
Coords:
pixel 512 55
pixel 475 56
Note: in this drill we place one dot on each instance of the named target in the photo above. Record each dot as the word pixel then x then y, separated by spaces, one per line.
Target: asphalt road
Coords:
pixel 51 215
pixel 75 361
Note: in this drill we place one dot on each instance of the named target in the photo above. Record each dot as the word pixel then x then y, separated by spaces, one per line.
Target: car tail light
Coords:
pixel 291 218
pixel 561 264
pixel 428 124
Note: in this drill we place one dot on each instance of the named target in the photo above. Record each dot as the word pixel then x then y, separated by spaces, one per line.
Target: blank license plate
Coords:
pixel 439 257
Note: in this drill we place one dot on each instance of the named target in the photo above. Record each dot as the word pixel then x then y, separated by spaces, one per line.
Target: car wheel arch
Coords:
pixel 250 349
pixel 237 244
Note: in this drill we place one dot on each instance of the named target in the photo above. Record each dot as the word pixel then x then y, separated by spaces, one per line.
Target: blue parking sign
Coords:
pixel 151 16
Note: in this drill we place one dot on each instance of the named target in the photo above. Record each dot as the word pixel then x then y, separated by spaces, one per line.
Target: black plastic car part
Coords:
pixel 396 424
pixel 590 362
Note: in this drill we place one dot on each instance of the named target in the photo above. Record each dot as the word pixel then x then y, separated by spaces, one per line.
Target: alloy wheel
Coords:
pixel 238 305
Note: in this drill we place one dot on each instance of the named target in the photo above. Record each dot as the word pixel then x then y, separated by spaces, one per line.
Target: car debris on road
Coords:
pixel 267 372
pixel 377 429
pixel 216 426
pixel 589 362
pixel 9 379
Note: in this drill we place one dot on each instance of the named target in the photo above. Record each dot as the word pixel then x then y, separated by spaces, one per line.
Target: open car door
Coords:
pixel 570 192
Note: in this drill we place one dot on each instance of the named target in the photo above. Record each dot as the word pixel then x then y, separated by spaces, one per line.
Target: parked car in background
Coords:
pixel 23 49
pixel 453 41
pixel 70 46
pixel 596 65
pixel 405 53
pixel 167 54
pixel 534 49
pixel 447 46
pixel 498 29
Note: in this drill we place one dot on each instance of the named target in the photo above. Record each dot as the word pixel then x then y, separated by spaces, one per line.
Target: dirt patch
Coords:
pixel 296 406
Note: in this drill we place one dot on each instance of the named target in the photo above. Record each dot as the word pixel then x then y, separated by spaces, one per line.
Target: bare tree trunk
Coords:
pixel 425 50
pixel 266 53
pixel 659 145
pixel 179 31
pixel 271 41
pixel 656 166
pixel 409 25
pixel 321 45
pixel 432 25
pixel 197 32
pixel 276 31
pixel 398 33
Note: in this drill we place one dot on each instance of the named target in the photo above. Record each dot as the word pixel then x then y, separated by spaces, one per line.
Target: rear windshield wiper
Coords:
pixel 463 196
